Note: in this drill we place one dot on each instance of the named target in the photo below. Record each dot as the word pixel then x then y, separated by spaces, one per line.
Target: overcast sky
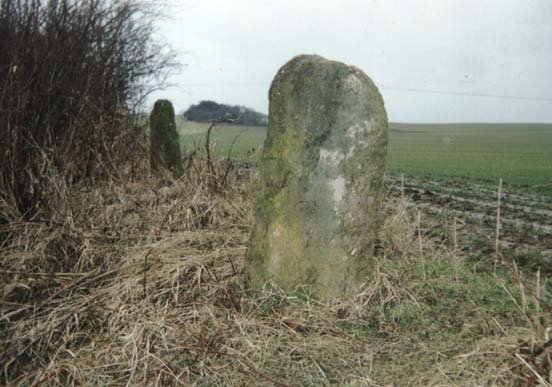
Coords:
pixel 433 60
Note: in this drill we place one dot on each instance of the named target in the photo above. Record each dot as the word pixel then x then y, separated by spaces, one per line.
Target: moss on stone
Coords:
pixel 321 178
pixel 165 142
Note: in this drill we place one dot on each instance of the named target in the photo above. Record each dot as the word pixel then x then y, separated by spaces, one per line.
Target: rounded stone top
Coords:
pixel 303 67
pixel 317 81
pixel 163 105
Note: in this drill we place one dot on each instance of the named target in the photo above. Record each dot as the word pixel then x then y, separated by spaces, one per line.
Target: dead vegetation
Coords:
pixel 73 76
pixel 142 283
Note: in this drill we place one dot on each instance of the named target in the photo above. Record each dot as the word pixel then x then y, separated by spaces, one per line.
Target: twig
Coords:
pixel 188 161
pixel 529 381
pixel 456 258
pixel 213 180
pixel 210 167
pixel 537 300
pixel 228 164
pixel 402 185
pixel 145 273
pixel 497 236
pixel 232 265
pixel 420 245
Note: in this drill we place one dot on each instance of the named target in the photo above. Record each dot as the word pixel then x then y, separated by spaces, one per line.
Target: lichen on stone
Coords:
pixel 321 178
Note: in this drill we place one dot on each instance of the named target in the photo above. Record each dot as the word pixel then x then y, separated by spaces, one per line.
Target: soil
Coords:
pixel 525 232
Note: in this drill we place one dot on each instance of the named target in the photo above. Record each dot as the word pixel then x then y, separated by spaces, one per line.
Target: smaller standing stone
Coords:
pixel 165 142
pixel 321 179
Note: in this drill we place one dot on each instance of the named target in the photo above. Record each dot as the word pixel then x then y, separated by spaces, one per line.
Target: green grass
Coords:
pixel 520 154
pixel 440 322
pixel 248 140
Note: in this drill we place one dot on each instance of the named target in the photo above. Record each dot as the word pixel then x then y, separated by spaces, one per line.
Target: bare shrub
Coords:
pixel 70 72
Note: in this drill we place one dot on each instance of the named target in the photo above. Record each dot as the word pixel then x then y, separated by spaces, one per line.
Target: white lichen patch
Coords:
pixel 277 232
pixel 337 185
pixel 360 132
pixel 351 151
pixel 354 82
pixel 274 233
pixel 331 158
pixel 358 135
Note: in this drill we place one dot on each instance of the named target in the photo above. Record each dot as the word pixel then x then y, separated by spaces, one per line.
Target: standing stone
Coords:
pixel 165 142
pixel 321 179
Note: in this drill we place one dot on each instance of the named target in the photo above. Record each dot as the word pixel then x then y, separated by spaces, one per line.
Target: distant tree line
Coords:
pixel 210 110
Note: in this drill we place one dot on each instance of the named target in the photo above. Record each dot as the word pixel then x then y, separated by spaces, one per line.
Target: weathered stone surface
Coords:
pixel 165 142
pixel 321 179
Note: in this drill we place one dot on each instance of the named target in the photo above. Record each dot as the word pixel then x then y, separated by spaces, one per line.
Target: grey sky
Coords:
pixel 466 47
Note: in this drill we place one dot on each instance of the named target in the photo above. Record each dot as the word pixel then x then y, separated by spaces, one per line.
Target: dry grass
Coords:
pixel 142 283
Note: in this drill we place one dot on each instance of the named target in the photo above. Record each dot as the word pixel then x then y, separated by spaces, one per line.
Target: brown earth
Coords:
pixel 525 231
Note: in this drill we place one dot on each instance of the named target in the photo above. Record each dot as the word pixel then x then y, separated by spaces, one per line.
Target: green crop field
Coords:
pixel 520 154
pixel 248 141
